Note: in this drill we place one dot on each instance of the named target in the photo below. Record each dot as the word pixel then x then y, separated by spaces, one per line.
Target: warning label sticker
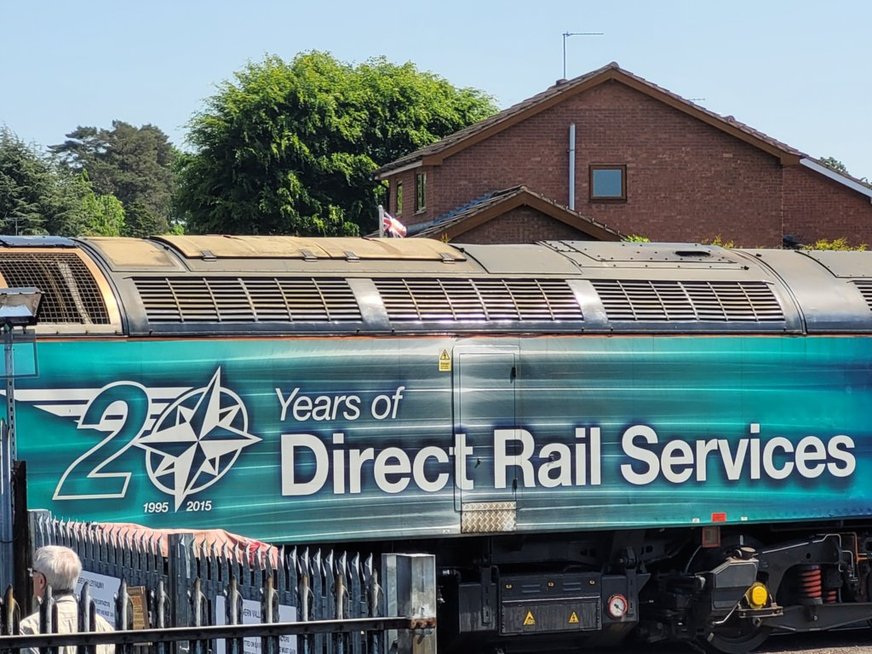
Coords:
pixel 444 361
pixel 529 620
pixel 573 618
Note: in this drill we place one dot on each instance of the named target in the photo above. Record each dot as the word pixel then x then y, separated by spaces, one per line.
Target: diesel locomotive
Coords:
pixel 598 441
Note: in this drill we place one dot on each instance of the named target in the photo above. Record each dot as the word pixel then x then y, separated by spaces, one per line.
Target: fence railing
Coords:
pixel 181 592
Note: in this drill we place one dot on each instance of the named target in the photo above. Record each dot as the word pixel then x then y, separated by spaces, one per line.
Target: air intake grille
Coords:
pixel 246 299
pixel 865 287
pixel 478 299
pixel 70 294
pixel 688 301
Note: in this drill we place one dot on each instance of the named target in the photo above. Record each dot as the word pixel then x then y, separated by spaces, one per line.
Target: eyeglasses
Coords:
pixel 34 571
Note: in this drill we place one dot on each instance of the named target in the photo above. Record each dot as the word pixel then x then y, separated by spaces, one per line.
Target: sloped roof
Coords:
pixel 492 205
pixel 861 186
pixel 435 153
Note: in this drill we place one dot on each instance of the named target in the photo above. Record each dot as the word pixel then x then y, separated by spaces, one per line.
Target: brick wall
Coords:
pixel 686 180
pixel 408 215
pixel 816 207
pixel 520 225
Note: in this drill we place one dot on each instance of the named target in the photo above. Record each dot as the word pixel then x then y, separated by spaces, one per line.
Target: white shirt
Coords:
pixel 68 623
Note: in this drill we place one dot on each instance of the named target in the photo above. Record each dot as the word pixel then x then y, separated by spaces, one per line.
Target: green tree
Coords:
pixel 39 197
pixel 27 187
pixel 834 164
pixel 290 148
pixel 105 215
pixel 135 164
pixel 141 221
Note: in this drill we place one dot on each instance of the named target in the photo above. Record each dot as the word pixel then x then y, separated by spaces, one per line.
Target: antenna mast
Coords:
pixel 566 35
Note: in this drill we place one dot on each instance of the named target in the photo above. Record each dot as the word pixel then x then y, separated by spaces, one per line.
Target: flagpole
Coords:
pixel 381 221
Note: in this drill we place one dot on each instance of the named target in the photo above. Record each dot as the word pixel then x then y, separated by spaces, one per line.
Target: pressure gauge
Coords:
pixel 617 606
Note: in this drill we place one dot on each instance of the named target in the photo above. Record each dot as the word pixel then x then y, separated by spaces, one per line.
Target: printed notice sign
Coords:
pixel 251 615
pixel 103 591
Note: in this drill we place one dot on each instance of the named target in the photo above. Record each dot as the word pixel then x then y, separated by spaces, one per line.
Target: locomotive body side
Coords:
pixel 305 440
pixel 658 439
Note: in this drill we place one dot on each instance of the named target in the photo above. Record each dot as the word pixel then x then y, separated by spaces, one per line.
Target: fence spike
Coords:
pixel 11 613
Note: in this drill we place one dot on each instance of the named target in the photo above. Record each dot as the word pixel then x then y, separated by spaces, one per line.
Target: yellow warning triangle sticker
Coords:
pixel 573 619
pixel 529 621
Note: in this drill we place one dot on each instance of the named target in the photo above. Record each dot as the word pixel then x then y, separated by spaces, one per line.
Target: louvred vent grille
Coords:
pixel 246 299
pixel 865 287
pixel 690 301
pixel 70 294
pixel 478 300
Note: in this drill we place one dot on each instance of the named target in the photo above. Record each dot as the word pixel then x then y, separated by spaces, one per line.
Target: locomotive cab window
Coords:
pixel 608 183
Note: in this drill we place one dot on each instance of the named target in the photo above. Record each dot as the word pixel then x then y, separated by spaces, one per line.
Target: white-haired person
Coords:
pixel 59 567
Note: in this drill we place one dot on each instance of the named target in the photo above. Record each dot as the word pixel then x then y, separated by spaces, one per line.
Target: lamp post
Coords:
pixel 19 307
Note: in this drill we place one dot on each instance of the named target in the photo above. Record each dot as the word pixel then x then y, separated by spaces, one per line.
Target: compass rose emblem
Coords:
pixel 196 440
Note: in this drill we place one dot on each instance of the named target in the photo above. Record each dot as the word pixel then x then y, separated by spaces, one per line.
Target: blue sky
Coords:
pixel 798 71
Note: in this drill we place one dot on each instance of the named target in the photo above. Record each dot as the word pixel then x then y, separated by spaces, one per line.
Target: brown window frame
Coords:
pixel 609 198
pixel 398 194
pixel 420 192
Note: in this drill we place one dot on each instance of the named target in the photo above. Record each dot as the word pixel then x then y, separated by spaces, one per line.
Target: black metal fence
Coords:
pixel 177 594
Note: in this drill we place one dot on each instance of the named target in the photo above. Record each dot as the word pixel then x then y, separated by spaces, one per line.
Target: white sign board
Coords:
pixel 251 615
pixel 103 590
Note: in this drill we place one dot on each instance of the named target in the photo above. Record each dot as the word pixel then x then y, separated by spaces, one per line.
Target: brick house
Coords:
pixel 609 153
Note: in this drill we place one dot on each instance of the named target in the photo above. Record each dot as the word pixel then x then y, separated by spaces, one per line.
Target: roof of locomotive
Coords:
pixel 206 285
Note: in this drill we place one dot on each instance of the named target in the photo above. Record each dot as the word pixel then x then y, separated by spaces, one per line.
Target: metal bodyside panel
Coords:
pixel 328 266
pixel 828 303
pixel 293 247
pixel 678 288
pixel 328 439
pixel 520 259
pixel 321 304
pixel 202 305
pixel 132 254
pixel 589 254
pixel 246 283
pixel 854 263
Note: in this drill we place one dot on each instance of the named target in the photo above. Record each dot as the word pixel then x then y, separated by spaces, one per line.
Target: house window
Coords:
pixel 608 182
pixel 399 208
pixel 420 192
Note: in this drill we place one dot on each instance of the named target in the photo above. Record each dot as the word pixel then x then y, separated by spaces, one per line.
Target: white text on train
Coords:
pixel 517 460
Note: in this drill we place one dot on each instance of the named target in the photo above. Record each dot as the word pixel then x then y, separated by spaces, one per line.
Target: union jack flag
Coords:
pixel 392 226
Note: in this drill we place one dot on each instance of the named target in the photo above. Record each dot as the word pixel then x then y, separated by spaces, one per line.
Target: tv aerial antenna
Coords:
pixel 566 35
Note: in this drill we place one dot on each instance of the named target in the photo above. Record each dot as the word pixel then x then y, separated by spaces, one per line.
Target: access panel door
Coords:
pixel 486 383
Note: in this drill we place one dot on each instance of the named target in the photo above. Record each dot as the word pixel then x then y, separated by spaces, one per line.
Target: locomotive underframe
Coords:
pixel 513 593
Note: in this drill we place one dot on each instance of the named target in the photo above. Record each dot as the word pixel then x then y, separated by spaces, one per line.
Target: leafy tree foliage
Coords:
pixel 720 242
pixel 834 164
pixel 290 148
pixel 27 192
pixel 37 197
pixel 141 221
pixel 135 164
pixel 841 243
pixel 104 215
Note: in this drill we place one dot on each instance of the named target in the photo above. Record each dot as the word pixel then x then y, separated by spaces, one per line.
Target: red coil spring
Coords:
pixel 831 596
pixel 811 582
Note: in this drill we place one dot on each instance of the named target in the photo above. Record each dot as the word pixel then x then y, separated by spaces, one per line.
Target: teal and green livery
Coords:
pixel 681 430
pixel 299 440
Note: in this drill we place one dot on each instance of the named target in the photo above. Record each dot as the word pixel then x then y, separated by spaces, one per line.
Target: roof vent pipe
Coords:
pixel 572 166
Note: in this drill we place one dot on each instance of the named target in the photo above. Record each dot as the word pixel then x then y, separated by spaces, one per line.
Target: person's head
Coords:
pixel 56 566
